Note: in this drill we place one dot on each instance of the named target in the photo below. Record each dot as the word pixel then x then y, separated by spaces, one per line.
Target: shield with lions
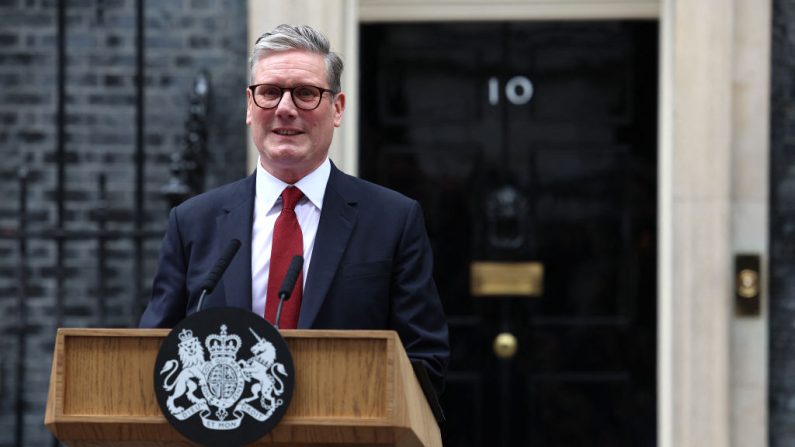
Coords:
pixel 224 377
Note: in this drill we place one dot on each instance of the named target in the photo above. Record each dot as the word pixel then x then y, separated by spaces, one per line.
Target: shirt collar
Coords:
pixel 313 185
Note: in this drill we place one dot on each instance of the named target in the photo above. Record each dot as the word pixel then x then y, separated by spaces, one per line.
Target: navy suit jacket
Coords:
pixel 371 266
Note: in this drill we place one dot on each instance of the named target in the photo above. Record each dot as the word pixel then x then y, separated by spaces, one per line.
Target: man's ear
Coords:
pixel 339 108
pixel 249 103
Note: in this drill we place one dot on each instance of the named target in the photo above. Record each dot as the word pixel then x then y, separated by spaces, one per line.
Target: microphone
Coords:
pixel 218 270
pixel 288 284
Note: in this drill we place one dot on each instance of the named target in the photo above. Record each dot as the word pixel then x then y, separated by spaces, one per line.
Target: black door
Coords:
pixel 530 142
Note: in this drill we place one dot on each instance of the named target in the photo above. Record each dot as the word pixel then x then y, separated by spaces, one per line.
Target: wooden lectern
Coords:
pixel 352 388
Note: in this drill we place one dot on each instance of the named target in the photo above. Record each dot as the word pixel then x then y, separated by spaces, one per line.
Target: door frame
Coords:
pixel 713 151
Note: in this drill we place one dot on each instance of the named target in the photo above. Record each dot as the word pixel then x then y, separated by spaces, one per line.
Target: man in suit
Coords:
pixel 368 262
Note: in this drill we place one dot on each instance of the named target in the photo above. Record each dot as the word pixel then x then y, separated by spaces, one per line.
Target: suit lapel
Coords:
pixel 337 220
pixel 236 223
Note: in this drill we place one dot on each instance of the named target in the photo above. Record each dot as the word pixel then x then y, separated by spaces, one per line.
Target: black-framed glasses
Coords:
pixel 305 97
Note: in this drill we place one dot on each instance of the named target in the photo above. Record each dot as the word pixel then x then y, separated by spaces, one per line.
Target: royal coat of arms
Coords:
pixel 223 377
pixel 223 389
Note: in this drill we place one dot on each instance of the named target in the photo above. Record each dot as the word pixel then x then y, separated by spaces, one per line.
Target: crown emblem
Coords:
pixel 223 345
pixel 186 337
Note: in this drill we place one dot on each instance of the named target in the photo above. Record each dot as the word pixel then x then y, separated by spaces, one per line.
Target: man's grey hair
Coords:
pixel 298 37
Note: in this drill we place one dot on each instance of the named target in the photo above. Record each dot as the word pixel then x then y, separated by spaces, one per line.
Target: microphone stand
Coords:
pixel 282 299
pixel 293 271
pixel 201 298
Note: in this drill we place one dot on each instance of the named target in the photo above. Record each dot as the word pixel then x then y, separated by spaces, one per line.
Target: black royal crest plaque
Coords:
pixel 224 377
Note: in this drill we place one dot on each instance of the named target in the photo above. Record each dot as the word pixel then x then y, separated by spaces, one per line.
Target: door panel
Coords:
pixel 530 142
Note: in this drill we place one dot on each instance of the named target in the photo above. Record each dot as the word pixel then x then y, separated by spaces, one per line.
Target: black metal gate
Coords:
pixel 109 224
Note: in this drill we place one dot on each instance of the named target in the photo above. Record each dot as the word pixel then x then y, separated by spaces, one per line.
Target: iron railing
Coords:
pixel 187 179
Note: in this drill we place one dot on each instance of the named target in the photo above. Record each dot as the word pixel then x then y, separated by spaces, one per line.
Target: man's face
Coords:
pixel 292 142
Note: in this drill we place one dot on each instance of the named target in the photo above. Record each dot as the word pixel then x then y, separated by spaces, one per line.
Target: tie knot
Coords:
pixel 290 196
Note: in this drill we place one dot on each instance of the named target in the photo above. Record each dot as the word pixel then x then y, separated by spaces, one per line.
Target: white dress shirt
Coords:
pixel 267 206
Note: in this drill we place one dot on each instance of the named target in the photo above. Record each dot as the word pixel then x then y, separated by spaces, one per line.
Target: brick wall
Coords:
pixel 182 37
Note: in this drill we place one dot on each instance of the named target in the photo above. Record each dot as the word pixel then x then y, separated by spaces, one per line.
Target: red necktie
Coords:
pixel 287 242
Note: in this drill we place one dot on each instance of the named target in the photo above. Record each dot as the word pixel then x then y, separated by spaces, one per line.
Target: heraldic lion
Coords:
pixel 191 355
